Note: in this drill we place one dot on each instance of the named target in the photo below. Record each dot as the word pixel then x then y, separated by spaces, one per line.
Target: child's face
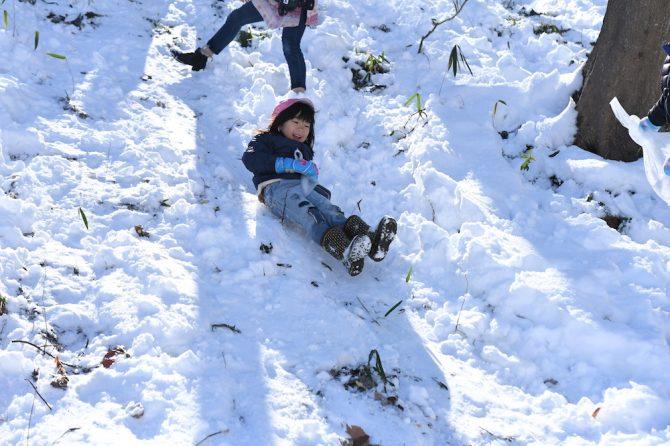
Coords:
pixel 295 129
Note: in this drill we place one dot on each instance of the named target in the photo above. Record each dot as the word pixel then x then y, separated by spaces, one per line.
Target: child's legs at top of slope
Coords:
pixel 295 60
pixel 314 212
pixel 244 15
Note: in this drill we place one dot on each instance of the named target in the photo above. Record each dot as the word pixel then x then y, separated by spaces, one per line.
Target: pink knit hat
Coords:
pixel 283 105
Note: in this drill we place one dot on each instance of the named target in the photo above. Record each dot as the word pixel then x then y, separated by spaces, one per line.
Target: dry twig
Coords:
pixel 225 431
pixel 38 394
pixel 458 7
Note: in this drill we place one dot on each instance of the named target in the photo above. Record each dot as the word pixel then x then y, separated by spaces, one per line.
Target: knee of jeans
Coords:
pixel 316 215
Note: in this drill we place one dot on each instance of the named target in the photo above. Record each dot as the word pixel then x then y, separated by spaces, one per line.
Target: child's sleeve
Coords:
pixel 259 157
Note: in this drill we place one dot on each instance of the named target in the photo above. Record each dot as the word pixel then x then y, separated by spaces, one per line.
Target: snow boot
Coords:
pixel 351 252
pixel 197 60
pixel 381 238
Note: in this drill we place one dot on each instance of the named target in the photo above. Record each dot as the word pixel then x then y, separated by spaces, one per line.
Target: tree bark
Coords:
pixel 626 63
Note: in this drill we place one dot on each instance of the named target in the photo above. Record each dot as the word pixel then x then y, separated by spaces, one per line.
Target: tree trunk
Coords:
pixel 626 63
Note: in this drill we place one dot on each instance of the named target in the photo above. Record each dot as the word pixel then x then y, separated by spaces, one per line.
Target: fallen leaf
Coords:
pixel 596 412
pixel 60 382
pixel 141 232
pixel 358 436
pixel 108 360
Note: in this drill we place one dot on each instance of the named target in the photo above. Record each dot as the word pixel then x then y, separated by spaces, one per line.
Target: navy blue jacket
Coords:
pixel 264 149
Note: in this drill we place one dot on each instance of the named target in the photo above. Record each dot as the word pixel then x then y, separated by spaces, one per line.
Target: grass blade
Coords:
pixel 495 106
pixel 465 61
pixel 37 39
pixel 83 217
pixel 411 98
pixel 408 277
pixel 379 368
pixel 392 308
pixel 57 56
pixel 5 18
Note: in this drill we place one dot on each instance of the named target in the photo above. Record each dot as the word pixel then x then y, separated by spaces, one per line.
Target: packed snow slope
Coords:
pixel 533 275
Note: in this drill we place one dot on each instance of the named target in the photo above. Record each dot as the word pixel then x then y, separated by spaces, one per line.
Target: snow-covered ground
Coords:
pixel 525 318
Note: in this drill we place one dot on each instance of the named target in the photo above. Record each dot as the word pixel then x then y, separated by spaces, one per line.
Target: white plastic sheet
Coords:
pixel 655 147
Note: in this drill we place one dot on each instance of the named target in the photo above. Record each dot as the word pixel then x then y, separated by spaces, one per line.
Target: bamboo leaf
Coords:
pixel 57 56
pixel 411 98
pixel 418 102
pixel 408 277
pixel 453 59
pixel 392 308
pixel 37 39
pixel 83 217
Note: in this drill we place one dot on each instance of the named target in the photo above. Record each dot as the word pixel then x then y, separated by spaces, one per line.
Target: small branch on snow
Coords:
pixel 225 431
pixel 72 429
pixel 232 328
pixel 30 422
pixel 373 320
pixel 39 394
pixel 18 341
pixel 467 287
pixel 457 10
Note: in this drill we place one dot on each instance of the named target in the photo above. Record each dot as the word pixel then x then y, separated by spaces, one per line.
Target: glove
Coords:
pixel 292 165
pixel 647 126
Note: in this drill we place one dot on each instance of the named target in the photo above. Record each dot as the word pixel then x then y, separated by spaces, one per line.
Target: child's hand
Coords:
pixel 292 165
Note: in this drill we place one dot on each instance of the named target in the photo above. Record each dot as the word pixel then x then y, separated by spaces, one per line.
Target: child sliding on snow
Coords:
pixel 291 15
pixel 286 178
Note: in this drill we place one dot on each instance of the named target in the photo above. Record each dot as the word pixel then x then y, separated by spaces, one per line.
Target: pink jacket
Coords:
pixel 269 9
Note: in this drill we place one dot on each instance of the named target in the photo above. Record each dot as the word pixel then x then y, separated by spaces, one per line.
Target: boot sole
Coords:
pixel 354 256
pixel 384 235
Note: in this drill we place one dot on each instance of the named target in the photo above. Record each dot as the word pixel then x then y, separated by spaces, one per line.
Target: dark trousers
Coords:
pixel 290 38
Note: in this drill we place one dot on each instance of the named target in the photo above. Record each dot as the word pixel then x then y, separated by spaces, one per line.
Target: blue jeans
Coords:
pixel 290 38
pixel 313 212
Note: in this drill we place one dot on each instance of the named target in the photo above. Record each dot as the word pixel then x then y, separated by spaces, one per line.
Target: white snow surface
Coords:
pixel 525 319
